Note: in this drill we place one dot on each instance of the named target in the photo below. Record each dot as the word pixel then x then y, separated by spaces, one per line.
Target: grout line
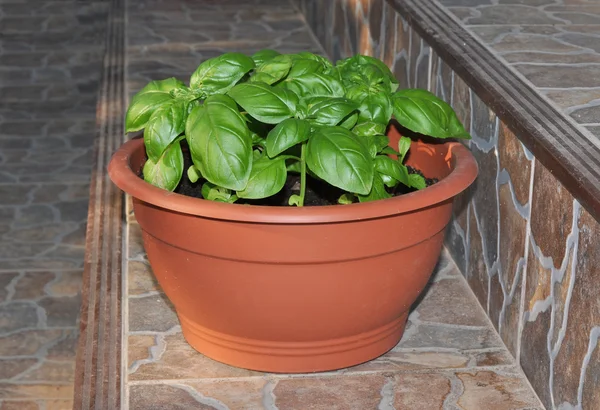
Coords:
pixel 524 268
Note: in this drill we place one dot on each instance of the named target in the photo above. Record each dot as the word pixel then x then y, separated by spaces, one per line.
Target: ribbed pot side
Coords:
pixel 292 290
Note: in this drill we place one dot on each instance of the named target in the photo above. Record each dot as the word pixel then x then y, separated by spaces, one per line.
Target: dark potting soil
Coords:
pixel 317 192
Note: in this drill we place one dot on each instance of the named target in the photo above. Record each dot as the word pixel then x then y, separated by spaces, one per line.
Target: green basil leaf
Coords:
pixel 220 142
pixel 219 74
pixel 371 146
pixel 389 151
pixel 377 191
pixel 331 111
pixel 256 154
pixel 165 85
pixel 403 147
pixel 307 55
pixel 392 168
pixel 346 198
pixel 265 103
pixel 257 140
pixel 272 70
pixel 165 124
pixel 216 193
pixel 375 143
pixel 381 141
pixel 393 83
pixel 416 181
pixel 266 178
pixel 142 107
pixel 307 63
pixel 193 174
pixel 301 66
pixel 315 85
pixel 337 156
pixel 356 92
pixel 167 171
pixel 285 135
pixel 368 71
pixel 456 128
pixel 294 200
pixel 422 112
pixel 376 108
pixel 388 181
pixel 294 167
pixel 369 128
pixel 264 55
pixel 312 101
pixel 349 121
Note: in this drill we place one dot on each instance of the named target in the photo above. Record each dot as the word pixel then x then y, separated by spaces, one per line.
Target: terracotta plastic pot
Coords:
pixel 285 289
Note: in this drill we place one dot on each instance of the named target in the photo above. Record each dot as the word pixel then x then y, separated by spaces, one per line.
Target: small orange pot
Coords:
pixel 285 289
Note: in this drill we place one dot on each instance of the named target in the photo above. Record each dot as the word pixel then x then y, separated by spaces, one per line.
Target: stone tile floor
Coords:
pixel 555 44
pixel 50 59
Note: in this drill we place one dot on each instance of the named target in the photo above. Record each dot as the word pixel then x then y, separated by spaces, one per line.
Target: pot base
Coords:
pixel 293 357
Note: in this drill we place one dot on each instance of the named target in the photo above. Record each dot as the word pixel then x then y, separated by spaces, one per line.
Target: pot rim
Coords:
pixel 459 179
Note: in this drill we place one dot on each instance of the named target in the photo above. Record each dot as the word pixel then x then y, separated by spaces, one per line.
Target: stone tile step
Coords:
pixel 482 389
pixel 450 356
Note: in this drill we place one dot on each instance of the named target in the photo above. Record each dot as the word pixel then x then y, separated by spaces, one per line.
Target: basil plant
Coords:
pixel 249 121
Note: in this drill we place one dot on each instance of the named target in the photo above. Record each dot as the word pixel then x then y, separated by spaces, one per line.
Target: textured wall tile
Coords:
pixel 402 63
pixel 549 267
pixel 582 328
pixel 459 97
pixel 387 43
pixel 496 298
pixel 534 356
pixel 461 101
pixel 477 274
pixel 485 202
pixel 442 84
pixel 590 397
pixel 513 239
pixel 456 240
pixel 515 161
pixel 551 215
pixel 376 18
pixel 483 123
pixel 354 26
pixel 442 78
pixel 341 40
pixel 510 316
pixel 562 282
pixel 420 53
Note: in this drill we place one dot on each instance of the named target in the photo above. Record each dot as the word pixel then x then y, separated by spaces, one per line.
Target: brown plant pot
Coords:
pixel 285 289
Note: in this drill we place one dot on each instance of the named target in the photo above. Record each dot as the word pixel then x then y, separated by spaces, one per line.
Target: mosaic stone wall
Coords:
pixel 524 244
